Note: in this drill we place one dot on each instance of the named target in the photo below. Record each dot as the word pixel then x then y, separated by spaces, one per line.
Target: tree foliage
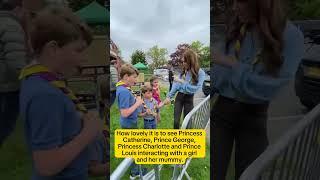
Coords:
pixel 302 9
pixel 156 57
pixel 202 51
pixel 176 57
pixel 138 56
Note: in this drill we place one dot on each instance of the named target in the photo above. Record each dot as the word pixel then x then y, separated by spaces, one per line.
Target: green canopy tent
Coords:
pixel 94 13
pixel 140 65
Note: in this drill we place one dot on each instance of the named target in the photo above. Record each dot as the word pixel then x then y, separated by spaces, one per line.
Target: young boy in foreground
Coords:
pixel 150 110
pixel 58 129
pixel 128 104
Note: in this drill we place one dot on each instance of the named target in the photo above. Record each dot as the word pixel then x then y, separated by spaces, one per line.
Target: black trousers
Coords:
pixel 182 102
pixel 239 124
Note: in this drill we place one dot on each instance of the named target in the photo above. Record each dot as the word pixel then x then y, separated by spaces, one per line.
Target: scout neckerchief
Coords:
pixel 121 83
pixel 58 81
pixel 153 101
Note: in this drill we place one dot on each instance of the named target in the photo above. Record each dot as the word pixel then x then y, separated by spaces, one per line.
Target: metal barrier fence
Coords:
pixel 296 155
pixel 198 118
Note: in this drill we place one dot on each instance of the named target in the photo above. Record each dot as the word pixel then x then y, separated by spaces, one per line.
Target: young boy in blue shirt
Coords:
pixel 150 110
pixel 58 129
pixel 128 104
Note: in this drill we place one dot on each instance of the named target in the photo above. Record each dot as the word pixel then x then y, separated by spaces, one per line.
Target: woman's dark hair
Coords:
pixel 191 58
pixel 270 21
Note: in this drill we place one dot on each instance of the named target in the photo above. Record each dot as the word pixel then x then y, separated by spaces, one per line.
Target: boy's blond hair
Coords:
pixel 60 24
pixel 128 69
pixel 146 88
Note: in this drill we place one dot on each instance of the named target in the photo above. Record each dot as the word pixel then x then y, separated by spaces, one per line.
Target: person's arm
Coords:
pixel 52 161
pixel 142 112
pixel 264 87
pixel 97 169
pixel 97 162
pixel 193 88
pixel 45 124
pixel 127 112
pixel 161 104
pixel 125 109
pixel 175 88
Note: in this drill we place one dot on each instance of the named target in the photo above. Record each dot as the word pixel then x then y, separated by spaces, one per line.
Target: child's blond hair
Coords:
pixel 60 24
pixel 128 69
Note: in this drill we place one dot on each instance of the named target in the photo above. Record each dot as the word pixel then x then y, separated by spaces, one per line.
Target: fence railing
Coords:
pixel 198 118
pixel 296 155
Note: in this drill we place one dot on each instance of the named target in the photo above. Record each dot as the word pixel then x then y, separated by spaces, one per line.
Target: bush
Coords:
pixel 303 10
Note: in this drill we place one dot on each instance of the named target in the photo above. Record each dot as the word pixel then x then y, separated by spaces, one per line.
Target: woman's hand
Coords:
pixel 167 101
pixel 223 60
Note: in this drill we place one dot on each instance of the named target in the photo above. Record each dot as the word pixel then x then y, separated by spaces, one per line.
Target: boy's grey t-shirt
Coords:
pixel 51 120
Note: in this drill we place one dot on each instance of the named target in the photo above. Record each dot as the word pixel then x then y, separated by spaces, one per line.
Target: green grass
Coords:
pixel 15 163
pixel 198 168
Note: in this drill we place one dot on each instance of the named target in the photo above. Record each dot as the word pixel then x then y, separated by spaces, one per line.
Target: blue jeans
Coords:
pixel 150 124
pixel 9 110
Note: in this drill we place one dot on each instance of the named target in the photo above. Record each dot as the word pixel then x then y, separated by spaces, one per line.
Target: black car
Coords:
pixel 307 81
pixel 206 84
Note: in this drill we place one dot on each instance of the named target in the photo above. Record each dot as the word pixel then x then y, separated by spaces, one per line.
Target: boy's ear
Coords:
pixel 52 45
pixel 125 76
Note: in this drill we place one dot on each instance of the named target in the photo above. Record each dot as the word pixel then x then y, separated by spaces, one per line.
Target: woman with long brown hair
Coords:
pixel 186 84
pixel 262 53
